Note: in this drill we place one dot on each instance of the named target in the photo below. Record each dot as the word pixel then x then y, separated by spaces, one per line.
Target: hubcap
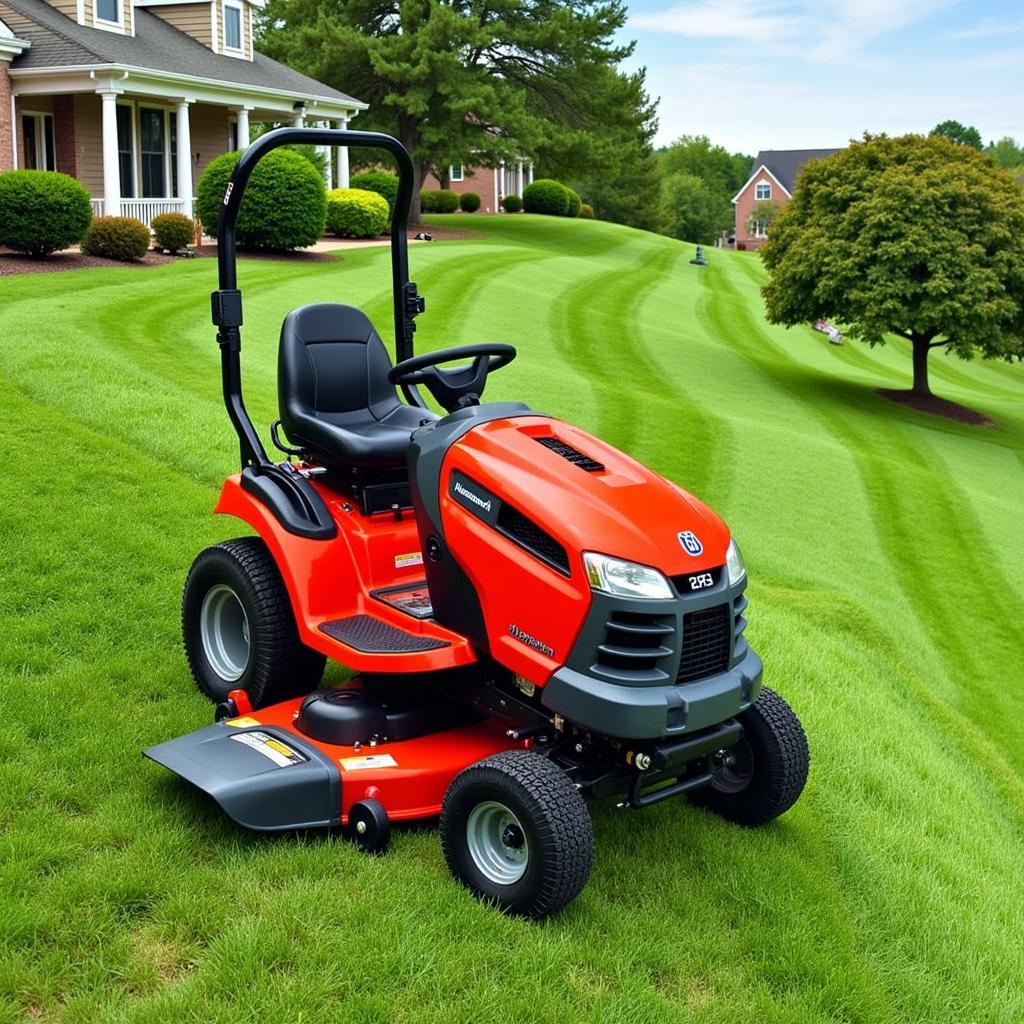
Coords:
pixel 732 768
pixel 225 632
pixel 497 843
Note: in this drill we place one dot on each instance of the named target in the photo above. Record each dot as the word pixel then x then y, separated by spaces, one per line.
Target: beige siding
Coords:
pixel 192 19
pixel 89 142
pixel 209 130
pixel 68 7
pixel 126 14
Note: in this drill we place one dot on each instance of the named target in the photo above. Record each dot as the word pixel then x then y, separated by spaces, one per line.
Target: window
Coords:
pixel 232 27
pixel 108 10
pixel 37 136
pixel 763 190
pixel 455 172
pixel 153 147
pixel 232 136
pixel 760 229
pixel 126 150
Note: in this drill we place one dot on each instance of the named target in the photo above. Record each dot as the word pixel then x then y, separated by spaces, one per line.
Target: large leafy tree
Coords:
pixel 690 210
pixel 918 237
pixel 476 80
pixel 1006 153
pixel 966 135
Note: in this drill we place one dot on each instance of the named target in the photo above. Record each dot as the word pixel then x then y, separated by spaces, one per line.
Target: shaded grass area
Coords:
pixel 887 568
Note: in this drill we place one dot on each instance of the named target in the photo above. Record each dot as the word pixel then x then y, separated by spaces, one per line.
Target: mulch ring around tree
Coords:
pixel 935 406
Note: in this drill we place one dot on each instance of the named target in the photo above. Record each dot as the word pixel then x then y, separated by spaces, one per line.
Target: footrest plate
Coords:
pixel 372 636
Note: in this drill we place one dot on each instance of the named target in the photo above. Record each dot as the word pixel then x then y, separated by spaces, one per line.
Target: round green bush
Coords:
pixel 511 204
pixel 42 211
pixel 116 238
pixel 173 231
pixel 356 213
pixel 285 204
pixel 438 200
pixel 545 195
pixel 586 211
pixel 469 202
pixel 574 203
pixel 381 182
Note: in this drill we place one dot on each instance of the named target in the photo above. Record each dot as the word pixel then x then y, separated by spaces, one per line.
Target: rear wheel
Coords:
pixel 515 831
pixel 238 628
pixel 764 773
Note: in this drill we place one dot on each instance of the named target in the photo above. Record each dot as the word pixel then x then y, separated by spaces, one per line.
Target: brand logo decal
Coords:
pixel 228 191
pixel 691 545
pixel 531 641
pixel 474 498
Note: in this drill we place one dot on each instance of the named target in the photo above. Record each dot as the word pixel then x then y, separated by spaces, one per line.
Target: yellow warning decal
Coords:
pixel 241 722
pixel 413 558
pixel 355 764
pixel 279 747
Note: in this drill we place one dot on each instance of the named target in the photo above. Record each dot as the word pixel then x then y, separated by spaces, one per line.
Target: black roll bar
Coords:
pixel 227 300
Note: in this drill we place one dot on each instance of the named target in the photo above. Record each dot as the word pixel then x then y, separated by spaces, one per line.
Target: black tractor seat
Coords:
pixel 333 394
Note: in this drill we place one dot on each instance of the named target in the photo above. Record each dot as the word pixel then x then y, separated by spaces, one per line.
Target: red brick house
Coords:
pixel 491 184
pixel 135 97
pixel 773 181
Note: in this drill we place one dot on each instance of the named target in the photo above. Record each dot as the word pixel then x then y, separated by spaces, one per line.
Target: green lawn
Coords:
pixel 887 563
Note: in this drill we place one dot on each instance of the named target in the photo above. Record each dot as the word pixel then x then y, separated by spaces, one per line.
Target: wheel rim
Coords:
pixel 497 843
pixel 732 768
pixel 225 632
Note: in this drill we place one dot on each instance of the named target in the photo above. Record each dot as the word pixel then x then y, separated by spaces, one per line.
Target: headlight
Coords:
pixel 625 579
pixel 734 564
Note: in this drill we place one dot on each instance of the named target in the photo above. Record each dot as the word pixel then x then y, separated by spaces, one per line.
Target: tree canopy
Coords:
pixel 967 135
pixel 476 80
pixel 910 236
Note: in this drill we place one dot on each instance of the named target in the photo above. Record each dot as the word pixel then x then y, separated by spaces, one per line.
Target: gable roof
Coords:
pixel 59 42
pixel 785 164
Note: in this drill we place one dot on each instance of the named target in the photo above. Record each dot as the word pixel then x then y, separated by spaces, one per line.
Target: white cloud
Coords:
pixel 989 27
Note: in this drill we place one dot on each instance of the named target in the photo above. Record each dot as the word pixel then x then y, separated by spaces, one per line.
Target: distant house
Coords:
pixel 135 97
pixel 491 184
pixel 773 180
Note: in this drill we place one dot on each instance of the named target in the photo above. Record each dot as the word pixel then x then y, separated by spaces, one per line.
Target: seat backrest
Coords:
pixel 332 365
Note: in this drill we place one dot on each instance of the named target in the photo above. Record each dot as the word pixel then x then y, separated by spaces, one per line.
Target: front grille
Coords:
pixel 633 645
pixel 706 639
pixel 527 534
pixel 577 458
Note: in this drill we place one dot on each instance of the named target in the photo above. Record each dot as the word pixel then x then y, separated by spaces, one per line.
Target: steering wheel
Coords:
pixel 459 386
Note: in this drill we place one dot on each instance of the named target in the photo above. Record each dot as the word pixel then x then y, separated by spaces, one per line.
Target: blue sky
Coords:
pixel 771 74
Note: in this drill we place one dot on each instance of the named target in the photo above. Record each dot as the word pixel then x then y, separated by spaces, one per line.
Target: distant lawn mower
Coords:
pixel 535 617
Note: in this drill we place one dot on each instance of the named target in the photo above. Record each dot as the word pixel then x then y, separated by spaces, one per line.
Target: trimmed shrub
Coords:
pixel 438 200
pixel 469 202
pixel 173 231
pixel 574 203
pixel 511 204
pixel 545 195
pixel 381 182
pixel 356 213
pixel 586 211
pixel 116 238
pixel 285 204
pixel 41 211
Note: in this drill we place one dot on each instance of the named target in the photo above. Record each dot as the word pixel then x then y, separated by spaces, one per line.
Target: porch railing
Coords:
pixel 142 209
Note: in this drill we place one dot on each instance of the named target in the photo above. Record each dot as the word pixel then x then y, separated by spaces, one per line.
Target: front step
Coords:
pixel 373 636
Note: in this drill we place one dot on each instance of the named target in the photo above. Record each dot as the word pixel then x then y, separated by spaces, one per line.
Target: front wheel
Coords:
pixel 239 630
pixel 764 773
pixel 516 832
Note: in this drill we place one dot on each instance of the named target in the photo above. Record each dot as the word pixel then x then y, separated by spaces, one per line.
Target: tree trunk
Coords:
pixel 409 136
pixel 921 347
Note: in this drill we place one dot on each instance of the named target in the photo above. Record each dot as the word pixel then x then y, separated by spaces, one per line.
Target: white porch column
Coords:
pixel 502 191
pixel 530 178
pixel 497 198
pixel 243 127
pixel 328 154
pixel 299 121
pixel 111 164
pixel 184 158
pixel 343 173
pixel 519 178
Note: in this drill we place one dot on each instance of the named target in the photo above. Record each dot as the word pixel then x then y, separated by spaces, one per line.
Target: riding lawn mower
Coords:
pixel 534 618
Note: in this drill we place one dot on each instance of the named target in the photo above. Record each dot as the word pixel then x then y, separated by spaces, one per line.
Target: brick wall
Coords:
pixel 746 204
pixel 475 179
pixel 6 128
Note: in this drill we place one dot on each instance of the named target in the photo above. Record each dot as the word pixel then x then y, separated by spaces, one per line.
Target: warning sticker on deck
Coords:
pixel 355 764
pixel 413 558
pixel 278 752
pixel 242 721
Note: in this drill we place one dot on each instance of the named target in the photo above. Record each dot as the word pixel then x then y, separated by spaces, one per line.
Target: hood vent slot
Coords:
pixel 570 454
pixel 527 534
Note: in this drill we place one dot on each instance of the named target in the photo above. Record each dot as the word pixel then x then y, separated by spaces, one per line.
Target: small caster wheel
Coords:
pixel 225 709
pixel 369 826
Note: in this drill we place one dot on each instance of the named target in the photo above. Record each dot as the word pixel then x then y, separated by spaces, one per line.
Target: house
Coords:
pixel 135 97
pixel 491 184
pixel 773 181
